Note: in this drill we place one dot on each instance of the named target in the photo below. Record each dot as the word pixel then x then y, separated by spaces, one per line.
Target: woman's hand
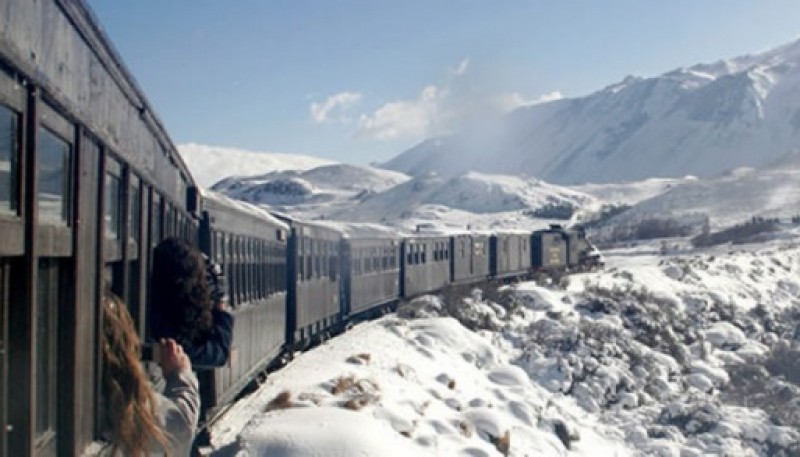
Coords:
pixel 172 358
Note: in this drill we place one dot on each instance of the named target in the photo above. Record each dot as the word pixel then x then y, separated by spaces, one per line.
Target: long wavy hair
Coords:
pixel 181 304
pixel 130 409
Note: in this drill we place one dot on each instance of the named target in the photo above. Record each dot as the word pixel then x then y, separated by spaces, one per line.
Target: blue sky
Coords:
pixel 360 81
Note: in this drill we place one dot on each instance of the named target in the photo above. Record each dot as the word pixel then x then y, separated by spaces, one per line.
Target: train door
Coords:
pixel 12 229
pixel 4 273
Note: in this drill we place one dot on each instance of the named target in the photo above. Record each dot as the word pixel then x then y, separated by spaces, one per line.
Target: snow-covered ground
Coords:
pixel 684 354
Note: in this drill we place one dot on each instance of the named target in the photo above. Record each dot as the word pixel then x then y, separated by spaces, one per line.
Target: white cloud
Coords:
pixel 322 112
pixel 461 68
pixel 436 110
pixel 510 101
pixel 403 118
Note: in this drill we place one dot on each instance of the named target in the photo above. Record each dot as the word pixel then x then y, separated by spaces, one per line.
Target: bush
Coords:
pixel 562 211
pixel 740 233
pixel 772 385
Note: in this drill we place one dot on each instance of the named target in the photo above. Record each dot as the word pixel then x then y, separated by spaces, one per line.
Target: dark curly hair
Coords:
pixel 181 305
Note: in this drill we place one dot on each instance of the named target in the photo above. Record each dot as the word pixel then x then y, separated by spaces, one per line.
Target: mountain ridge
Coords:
pixel 700 120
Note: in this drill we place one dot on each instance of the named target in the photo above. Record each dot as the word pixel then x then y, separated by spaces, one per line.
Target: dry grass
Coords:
pixel 356 403
pixel 405 371
pixel 310 397
pixel 451 384
pixel 282 401
pixel 465 428
pixel 343 384
pixel 503 442
pixel 360 359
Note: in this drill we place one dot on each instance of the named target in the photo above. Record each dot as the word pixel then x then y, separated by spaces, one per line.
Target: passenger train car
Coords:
pixel 90 182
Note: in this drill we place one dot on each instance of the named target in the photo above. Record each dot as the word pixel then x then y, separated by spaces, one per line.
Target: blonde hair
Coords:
pixel 130 408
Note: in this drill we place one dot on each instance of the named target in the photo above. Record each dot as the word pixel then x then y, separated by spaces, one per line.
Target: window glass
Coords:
pixel 113 211
pixel 54 182
pixel 9 121
pixel 156 225
pixel 48 289
pixel 135 209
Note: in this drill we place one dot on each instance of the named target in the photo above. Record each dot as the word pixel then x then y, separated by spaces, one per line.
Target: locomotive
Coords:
pixel 90 183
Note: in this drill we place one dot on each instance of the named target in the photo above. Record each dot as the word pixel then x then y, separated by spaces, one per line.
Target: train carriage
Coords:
pixel 425 264
pixel 470 257
pixel 314 283
pixel 510 255
pixel 370 274
pixel 89 180
pixel 250 245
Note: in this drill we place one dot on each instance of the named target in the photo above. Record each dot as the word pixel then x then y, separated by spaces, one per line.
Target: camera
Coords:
pixel 151 353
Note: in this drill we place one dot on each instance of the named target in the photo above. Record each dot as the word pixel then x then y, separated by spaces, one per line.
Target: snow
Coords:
pixel 642 358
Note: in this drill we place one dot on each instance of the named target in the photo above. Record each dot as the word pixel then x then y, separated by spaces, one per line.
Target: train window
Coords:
pixel 156 219
pixel 54 177
pixel 316 254
pixel 280 271
pixel 49 286
pixel 332 269
pixel 274 269
pixel 301 269
pixel 309 254
pixel 9 160
pixel 135 205
pixel 113 201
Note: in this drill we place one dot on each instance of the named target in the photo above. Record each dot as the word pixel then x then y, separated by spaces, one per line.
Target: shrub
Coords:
pixel 740 233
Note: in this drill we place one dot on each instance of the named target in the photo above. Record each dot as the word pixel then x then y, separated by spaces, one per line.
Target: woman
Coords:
pixel 188 303
pixel 140 421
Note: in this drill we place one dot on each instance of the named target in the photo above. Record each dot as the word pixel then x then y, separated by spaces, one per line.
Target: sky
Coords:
pixel 360 81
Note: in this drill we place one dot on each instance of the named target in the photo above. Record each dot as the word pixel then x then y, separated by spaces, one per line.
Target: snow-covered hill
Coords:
pixel 474 200
pixel 313 193
pixel 772 192
pixel 700 120
pixel 210 164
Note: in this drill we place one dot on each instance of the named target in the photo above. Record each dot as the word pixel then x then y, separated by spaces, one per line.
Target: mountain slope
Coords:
pixel 726 200
pixel 700 120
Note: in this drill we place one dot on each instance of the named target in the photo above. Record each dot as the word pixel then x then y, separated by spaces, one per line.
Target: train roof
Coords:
pixel 88 27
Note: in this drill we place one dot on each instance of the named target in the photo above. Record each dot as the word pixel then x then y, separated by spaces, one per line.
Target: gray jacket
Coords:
pixel 179 411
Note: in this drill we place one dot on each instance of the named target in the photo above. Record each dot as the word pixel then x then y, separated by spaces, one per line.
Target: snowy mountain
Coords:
pixel 210 164
pixel 701 120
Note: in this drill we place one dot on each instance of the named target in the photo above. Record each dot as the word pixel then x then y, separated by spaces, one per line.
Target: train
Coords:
pixel 90 183
pixel 294 282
